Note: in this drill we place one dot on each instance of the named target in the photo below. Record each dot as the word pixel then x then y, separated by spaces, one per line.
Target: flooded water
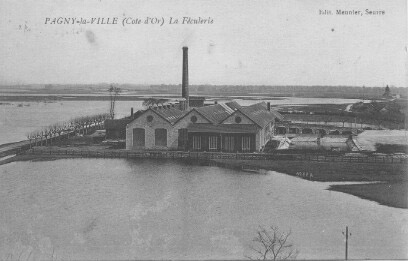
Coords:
pixel 19 118
pixel 125 209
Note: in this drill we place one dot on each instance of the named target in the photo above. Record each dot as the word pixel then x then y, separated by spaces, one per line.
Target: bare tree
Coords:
pixel 30 137
pixel 113 93
pixel 271 244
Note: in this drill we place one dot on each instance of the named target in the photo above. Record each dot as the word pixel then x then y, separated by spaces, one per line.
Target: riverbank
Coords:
pixel 328 171
pixel 393 194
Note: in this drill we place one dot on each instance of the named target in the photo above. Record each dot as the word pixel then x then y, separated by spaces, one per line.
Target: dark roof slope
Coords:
pixel 259 113
pixel 170 114
pixel 215 113
pixel 233 105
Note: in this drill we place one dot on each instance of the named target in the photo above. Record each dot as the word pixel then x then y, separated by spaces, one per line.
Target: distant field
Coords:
pixel 205 90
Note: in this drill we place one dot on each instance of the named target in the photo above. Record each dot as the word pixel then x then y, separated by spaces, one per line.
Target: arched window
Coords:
pixel 160 137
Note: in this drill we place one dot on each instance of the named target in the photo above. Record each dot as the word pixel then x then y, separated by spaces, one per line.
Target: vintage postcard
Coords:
pixel 203 130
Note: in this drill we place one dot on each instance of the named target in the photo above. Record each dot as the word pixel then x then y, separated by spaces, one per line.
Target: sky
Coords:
pixel 249 42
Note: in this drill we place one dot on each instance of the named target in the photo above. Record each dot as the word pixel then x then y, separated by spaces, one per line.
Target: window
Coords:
pixel 138 137
pixel 238 119
pixel 149 118
pixel 212 143
pixel 229 143
pixel 182 139
pixel 193 119
pixel 246 143
pixel 196 142
pixel 293 131
pixel 160 137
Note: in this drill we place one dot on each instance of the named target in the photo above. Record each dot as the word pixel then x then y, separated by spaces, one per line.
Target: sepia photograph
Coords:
pixel 203 130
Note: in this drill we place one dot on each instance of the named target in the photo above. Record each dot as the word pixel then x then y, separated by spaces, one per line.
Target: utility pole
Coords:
pixel 347 234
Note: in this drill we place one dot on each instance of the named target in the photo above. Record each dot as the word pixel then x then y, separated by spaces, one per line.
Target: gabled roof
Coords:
pixel 233 105
pixel 215 113
pixel 259 114
pixel 222 128
pixel 170 114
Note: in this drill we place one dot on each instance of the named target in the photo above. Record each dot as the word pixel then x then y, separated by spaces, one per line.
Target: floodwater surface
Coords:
pixel 155 209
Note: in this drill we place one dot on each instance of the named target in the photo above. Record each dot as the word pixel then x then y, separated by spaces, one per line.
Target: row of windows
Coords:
pixel 228 143
pixel 160 139
pixel 139 137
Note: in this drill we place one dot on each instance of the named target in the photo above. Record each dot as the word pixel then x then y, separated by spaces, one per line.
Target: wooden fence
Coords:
pixel 111 153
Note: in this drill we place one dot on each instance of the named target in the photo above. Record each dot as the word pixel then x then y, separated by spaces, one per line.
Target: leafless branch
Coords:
pixel 271 244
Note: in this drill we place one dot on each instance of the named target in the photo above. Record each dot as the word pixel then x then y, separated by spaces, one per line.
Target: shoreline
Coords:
pixel 391 194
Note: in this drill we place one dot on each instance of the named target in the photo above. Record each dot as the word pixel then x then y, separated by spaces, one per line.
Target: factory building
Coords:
pixel 220 127
pixel 226 127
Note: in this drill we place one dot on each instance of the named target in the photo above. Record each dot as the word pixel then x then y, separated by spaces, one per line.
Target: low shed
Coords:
pixel 116 129
pixel 336 143
pixel 311 142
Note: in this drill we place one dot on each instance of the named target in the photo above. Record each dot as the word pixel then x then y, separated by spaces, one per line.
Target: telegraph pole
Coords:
pixel 347 234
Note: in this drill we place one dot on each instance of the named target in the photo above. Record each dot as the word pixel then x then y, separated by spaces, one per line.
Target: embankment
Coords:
pixel 393 194
pixel 328 171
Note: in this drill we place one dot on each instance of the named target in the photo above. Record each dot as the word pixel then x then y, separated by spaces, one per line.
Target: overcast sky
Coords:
pixel 249 42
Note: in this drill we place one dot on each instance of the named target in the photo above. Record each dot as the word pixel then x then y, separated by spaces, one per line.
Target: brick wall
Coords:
pixel 142 122
pixel 158 122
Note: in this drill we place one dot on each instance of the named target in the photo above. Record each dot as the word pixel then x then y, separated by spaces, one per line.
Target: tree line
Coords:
pixel 78 125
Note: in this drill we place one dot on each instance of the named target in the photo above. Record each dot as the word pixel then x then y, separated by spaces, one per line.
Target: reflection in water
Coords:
pixel 123 209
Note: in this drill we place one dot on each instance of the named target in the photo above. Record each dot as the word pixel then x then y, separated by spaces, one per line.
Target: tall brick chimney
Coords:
pixel 184 83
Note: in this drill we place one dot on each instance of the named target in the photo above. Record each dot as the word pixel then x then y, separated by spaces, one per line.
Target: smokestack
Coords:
pixel 184 83
pixel 268 106
pixel 131 112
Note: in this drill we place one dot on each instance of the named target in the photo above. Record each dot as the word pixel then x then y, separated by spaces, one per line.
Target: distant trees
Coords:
pixel 154 101
pixel 271 244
